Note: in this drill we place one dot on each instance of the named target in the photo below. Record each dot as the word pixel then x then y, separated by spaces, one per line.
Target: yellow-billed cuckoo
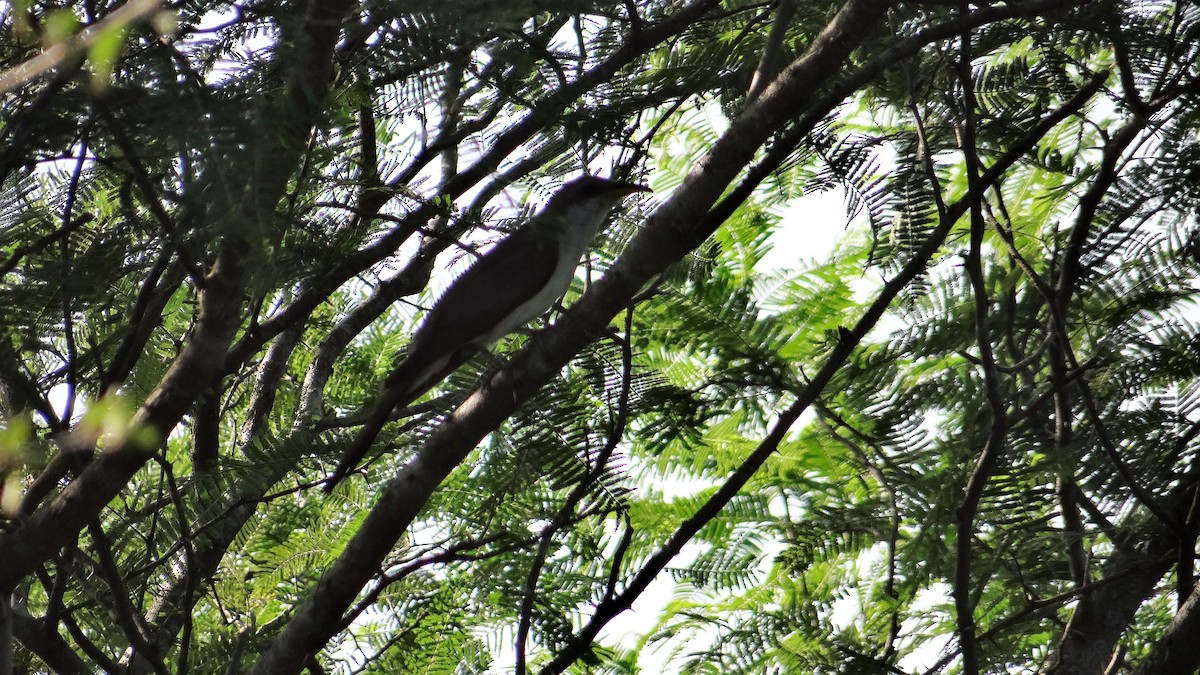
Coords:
pixel 518 280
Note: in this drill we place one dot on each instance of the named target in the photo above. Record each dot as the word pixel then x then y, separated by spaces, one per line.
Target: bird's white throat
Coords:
pixel 579 224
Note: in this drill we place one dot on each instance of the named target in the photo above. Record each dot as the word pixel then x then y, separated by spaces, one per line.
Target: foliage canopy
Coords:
pixel 965 441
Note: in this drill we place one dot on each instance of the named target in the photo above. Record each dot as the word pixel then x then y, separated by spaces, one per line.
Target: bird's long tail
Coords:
pixel 400 389
pixel 390 399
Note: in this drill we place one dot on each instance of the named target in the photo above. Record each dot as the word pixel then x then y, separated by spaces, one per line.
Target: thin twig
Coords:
pixel 998 430
pixel 768 64
pixel 581 490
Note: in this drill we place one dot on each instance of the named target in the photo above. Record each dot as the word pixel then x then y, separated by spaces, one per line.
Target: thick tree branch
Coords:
pixel 49 646
pixel 267 381
pixel 65 52
pixel 769 61
pixel 1102 616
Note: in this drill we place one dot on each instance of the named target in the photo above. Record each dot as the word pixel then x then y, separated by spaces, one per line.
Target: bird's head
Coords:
pixel 586 201
pixel 594 187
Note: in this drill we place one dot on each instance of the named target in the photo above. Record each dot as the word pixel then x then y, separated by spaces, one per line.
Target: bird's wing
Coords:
pixel 513 272
pixel 509 275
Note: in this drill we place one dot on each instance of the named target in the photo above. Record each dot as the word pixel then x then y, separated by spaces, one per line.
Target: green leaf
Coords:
pixel 103 54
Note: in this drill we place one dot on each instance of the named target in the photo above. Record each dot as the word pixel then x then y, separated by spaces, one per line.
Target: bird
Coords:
pixel 518 280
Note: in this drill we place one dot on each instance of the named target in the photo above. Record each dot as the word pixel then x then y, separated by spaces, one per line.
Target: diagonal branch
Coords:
pixel 1177 651
pixel 48 645
pixel 64 52
pixel 768 62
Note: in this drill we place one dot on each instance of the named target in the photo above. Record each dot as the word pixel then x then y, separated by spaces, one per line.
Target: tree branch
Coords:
pixel 1178 650
pixel 59 54
pixel 998 429
pixel 48 646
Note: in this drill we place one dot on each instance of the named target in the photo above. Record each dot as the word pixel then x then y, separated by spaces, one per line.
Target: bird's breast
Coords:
pixel 535 306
